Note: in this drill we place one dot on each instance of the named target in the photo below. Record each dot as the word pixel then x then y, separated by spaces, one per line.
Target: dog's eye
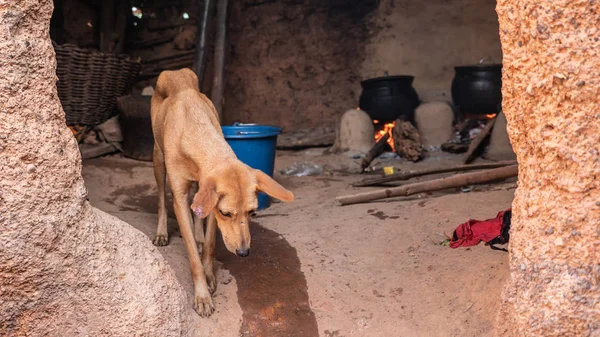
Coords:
pixel 226 214
pixel 252 213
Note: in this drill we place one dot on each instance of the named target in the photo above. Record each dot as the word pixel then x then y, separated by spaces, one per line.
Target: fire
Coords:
pixel 479 116
pixel 387 129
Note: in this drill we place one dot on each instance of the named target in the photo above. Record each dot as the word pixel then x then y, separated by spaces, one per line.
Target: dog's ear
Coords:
pixel 206 198
pixel 271 187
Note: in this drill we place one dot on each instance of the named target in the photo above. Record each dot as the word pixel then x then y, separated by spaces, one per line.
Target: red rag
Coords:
pixel 473 231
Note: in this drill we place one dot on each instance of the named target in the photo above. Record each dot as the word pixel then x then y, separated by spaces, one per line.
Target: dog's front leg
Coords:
pixel 208 252
pixel 198 231
pixel 198 224
pixel 203 303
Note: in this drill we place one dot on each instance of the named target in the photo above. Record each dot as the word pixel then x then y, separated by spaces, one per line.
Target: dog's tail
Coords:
pixel 173 81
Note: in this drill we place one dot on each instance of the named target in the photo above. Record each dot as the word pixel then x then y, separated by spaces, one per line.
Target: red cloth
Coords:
pixel 473 231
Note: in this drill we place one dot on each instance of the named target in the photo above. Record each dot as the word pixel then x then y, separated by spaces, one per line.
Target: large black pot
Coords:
pixel 389 98
pixel 477 89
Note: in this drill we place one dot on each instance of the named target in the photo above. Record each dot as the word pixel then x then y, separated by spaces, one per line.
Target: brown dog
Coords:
pixel 189 147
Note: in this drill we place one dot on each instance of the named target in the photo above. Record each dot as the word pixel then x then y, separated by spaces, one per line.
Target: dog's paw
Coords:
pixel 211 281
pixel 160 240
pixel 203 305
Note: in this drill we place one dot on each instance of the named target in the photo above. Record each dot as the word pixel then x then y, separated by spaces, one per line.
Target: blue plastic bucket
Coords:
pixel 255 146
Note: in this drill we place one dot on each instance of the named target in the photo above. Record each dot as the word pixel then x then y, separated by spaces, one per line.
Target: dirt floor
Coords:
pixel 318 269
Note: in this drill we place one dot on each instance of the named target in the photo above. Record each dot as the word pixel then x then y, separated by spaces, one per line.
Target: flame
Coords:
pixel 490 116
pixel 387 128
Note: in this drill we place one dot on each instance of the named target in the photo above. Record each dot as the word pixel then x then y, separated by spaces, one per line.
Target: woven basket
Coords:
pixel 138 140
pixel 89 83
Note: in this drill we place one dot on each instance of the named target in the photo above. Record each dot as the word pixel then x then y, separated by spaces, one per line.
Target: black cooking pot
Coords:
pixel 389 98
pixel 476 89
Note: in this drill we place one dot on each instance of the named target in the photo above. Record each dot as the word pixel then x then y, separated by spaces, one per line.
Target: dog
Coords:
pixel 189 147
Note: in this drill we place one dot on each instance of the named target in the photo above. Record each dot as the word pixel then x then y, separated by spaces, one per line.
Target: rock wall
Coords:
pixel 551 85
pixel 65 268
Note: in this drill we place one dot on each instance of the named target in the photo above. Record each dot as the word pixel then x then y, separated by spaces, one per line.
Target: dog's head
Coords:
pixel 231 192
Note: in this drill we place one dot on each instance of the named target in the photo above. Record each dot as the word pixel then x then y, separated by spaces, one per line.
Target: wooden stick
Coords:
pixel 476 143
pixel 375 151
pixel 455 148
pixel 203 24
pixel 409 175
pixel 432 185
pixel 216 94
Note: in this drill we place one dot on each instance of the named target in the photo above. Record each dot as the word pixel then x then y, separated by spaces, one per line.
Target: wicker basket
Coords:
pixel 89 83
pixel 138 140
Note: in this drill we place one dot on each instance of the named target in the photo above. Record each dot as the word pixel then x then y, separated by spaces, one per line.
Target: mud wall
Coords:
pixel 427 39
pixel 299 63
pixel 294 63
pixel 551 87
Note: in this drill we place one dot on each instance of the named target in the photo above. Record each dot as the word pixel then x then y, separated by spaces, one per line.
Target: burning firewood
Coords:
pixel 467 132
pixel 477 143
pixel 400 136
pixel 407 141
pixel 386 130
pixel 375 151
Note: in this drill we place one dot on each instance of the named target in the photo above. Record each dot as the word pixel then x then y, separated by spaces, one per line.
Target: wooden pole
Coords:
pixel 375 151
pixel 121 27
pixel 219 62
pixel 203 24
pixel 476 143
pixel 432 185
pixel 409 175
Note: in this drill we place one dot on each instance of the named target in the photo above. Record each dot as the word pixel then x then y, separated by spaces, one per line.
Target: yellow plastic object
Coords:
pixel 388 170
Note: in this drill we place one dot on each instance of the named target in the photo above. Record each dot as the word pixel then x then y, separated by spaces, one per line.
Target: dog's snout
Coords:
pixel 242 252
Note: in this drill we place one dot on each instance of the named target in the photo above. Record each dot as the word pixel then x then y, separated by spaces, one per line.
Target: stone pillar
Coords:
pixel 551 90
pixel 65 268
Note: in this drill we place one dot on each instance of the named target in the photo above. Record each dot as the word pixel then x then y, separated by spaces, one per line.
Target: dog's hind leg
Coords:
pixel 160 174
pixel 208 252
pixel 203 303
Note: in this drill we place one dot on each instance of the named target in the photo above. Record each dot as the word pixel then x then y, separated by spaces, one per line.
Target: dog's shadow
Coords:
pixel 272 289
